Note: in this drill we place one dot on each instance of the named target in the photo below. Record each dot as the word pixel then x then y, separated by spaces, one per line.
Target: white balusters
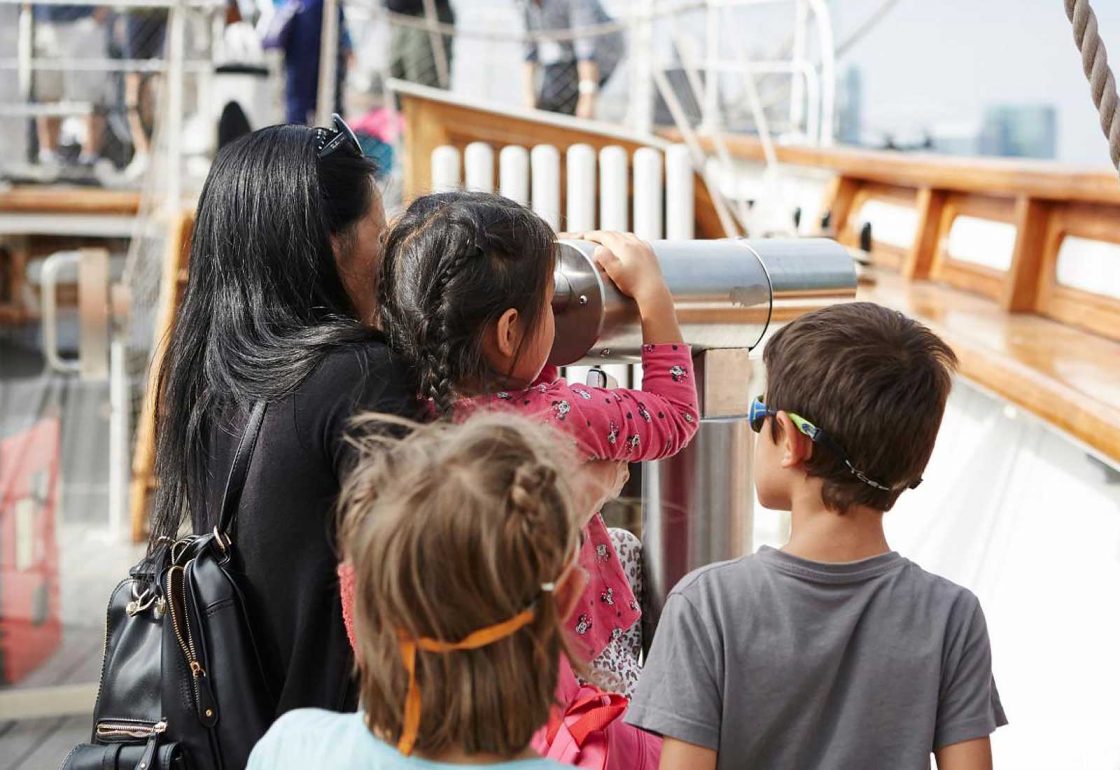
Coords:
pixel 479 165
pixel 545 179
pixel 614 179
pixel 513 174
pixel 679 179
pixel 581 188
pixel 648 194
pixel 445 169
pixel 662 188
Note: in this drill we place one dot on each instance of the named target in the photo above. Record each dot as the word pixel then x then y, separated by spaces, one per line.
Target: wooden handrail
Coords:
pixel 83 200
pixel 1003 177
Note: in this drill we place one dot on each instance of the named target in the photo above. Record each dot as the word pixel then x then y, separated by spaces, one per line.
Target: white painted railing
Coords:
pixel 649 193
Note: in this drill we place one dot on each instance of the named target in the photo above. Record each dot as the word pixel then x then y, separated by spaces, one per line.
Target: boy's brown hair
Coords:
pixel 450 530
pixel 872 379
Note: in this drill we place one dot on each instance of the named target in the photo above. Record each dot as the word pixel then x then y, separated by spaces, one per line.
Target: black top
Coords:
pixel 286 524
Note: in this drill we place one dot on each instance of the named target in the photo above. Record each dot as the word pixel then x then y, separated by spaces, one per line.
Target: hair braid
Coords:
pixel 528 510
pixel 439 384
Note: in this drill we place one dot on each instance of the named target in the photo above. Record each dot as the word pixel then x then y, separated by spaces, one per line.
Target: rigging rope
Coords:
pixel 1094 60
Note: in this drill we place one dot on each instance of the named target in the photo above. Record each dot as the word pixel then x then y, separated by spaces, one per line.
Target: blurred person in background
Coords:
pixel 574 67
pixel 412 55
pixel 301 42
pixel 145 31
pixel 70 32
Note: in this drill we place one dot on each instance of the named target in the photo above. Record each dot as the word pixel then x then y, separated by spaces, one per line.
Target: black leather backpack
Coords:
pixel 182 685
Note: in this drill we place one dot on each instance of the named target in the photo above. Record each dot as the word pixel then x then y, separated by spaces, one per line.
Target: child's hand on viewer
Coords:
pixel 633 267
pixel 630 263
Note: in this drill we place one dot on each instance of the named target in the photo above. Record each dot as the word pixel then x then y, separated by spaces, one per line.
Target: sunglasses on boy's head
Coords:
pixel 328 141
pixel 757 418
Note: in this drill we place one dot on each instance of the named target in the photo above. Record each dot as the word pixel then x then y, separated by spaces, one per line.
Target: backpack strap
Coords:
pixel 231 497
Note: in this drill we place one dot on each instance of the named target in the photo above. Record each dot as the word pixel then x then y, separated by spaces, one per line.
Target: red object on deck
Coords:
pixel 30 628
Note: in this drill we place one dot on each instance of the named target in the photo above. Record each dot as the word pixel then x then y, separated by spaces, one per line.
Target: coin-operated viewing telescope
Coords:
pixel 696 507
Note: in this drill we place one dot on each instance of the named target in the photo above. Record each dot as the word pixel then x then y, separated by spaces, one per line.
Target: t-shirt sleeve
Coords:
pixel 680 692
pixel 968 705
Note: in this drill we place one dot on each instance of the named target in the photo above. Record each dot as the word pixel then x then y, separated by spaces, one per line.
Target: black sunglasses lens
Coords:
pixel 757 423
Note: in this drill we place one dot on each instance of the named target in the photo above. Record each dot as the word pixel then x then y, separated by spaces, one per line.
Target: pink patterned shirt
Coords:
pixel 610 424
pixel 607 424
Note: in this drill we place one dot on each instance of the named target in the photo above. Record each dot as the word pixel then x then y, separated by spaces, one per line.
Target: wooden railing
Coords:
pixel 433 118
pixel 1019 332
pixel 1043 202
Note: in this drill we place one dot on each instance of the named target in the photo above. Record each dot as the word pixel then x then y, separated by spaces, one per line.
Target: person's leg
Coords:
pixel 418 58
pixel 86 38
pixel 299 95
pixel 91 142
pixel 47 89
pixel 48 131
pixel 132 85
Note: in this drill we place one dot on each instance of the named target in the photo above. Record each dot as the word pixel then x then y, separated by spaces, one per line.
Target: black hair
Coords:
pixel 264 300
pixel 453 263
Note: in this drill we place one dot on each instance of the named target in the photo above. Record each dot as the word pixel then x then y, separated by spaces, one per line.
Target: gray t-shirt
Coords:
pixel 779 662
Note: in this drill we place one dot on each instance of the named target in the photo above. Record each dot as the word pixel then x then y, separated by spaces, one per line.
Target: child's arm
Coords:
pixel 659 420
pixel 680 755
pixel 967 755
pixel 633 425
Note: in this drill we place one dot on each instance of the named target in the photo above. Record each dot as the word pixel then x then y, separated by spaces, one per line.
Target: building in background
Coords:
pixel 1020 131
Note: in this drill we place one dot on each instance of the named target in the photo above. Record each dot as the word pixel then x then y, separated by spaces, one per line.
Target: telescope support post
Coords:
pixel 697 507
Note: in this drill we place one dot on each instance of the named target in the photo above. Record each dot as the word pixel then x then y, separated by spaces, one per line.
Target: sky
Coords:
pixel 940 62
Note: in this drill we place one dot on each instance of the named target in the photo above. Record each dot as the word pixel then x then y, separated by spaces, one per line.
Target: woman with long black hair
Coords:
pixel 280 305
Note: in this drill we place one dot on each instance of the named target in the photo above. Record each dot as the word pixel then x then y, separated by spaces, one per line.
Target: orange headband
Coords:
pixel 472 641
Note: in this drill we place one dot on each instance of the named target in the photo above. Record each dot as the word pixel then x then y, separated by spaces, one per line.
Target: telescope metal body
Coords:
pixel 726 293
pixel 697 505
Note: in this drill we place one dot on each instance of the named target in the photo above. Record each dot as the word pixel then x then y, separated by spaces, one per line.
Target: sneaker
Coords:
pixel 48 158
pixel 88 160
pixel 138 167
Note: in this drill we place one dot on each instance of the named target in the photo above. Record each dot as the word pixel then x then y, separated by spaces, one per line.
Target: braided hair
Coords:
pixel 453 264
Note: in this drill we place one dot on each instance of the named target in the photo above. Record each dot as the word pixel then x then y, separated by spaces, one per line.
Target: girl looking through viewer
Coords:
pixel 466 287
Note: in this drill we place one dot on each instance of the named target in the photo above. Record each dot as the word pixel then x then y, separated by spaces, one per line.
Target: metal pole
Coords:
pixel 328 64
pixel 640 115
pixel 697 507
pixel 26 48
pixel 797 92
pixel 176 44
pixel 711 120
pixel 828 71
pixel 119 470
pixel 443 69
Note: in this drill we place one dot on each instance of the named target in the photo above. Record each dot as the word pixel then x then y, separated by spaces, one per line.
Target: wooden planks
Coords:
pixel 1064 375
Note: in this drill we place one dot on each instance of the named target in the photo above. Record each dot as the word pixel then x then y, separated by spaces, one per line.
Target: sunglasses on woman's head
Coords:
pixel 328 140
pixel 757 418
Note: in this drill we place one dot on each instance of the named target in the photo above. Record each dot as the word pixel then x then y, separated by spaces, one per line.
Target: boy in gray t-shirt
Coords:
pixel 834 652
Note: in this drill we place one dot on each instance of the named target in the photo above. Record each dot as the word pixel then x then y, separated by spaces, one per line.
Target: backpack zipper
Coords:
pixel 203 698
pixel 115 729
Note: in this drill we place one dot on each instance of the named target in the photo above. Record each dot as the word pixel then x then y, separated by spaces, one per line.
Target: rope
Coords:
pixel 1094 60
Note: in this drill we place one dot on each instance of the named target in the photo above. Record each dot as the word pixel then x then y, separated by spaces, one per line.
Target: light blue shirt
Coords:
pixel 315 738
